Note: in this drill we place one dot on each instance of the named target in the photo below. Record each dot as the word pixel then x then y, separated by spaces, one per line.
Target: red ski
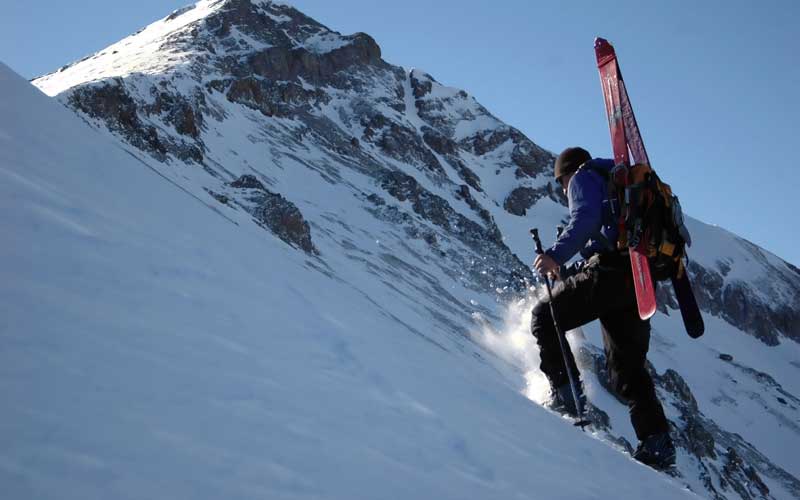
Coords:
pixel 623 128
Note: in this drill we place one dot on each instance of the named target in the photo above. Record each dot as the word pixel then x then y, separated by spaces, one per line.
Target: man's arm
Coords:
pixel 586 205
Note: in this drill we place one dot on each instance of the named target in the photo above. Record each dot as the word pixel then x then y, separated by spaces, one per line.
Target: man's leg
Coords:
pixel 572 304
pixel 626 339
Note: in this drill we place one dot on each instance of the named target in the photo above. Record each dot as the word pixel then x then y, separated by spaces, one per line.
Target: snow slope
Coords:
pixel 153 348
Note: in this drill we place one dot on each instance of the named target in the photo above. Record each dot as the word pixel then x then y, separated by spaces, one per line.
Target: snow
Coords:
pixel 737 401
pixel 144 52
pixel 469 128
pixel 768 275
pixel 470 117
pixel 153 349
pixel 321 43
pixel 140 52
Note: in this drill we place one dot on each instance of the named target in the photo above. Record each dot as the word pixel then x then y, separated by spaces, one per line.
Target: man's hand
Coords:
pixel 546 266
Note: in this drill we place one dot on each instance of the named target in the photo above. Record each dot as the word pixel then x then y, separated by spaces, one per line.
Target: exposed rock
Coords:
pixel 421 86
pixel 463 193
pixel 248 182
pixel 282 99
pixel 438 142
pixel 110 102
pixel 740 467
pixel 219 197
pixel 532 159
pixel 508 270
pixel 372 124
pixel 665 297
pixel 485 143
pixel 274 212
pixel 179 111
pixel 738 304
pixel 724 267
pixel 449 150
pixel 284 219
pixel 743 478
pixel 403 143
pixel 465 173
pixel 248 91
pixel 522 198
pixel 257 20
pixel 694 435
pixel 286 63
pixel 442 112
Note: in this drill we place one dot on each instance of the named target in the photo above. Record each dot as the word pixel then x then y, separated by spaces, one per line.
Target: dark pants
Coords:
pixel 603 290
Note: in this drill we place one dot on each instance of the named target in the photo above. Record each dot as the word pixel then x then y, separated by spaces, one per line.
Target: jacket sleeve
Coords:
pixel 585 210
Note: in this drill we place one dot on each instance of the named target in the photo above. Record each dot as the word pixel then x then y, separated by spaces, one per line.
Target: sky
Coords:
pixel 714 84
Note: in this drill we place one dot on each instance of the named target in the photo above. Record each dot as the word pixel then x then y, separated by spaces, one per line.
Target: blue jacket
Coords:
pixel 590 213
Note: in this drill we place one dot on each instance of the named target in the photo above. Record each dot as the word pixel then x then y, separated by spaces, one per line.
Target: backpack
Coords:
pixel 650 214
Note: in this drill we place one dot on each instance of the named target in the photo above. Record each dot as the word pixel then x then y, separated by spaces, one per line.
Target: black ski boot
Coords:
pixel 562 401
pixel 657 451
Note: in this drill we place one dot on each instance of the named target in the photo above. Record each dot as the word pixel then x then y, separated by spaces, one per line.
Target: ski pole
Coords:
pixel 561 338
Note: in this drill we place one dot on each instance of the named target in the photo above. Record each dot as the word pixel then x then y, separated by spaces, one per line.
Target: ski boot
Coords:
pixel 657 451
pixel 562 401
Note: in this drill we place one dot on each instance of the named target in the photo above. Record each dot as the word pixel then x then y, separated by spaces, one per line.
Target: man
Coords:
pixel 599 287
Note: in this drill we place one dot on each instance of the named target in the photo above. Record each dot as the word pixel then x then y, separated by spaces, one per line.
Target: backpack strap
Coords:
pixel 589 166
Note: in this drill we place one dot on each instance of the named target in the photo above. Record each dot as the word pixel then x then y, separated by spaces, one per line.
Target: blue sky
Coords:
pixel 714 84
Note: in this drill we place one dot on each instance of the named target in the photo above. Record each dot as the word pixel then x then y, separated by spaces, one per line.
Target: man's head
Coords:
pixel 568 163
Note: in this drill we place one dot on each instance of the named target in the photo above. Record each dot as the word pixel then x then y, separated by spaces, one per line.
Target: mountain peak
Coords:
pixel 209 37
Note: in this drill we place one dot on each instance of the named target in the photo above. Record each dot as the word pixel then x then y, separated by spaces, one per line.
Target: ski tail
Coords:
pixel 690 311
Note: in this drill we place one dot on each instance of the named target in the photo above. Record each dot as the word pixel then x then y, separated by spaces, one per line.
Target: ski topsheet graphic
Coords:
pixel 625 136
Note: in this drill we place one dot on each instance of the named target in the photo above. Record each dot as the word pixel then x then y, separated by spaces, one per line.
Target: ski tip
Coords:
pixel 604 50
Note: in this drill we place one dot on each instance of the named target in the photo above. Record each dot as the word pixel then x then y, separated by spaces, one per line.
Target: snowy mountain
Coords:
pixel 253 259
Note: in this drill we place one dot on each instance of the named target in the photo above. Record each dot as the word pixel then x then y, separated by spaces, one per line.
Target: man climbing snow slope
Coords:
pixel 598 287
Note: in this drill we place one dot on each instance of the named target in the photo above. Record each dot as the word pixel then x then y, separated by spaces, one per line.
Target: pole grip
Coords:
pixel 535 235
